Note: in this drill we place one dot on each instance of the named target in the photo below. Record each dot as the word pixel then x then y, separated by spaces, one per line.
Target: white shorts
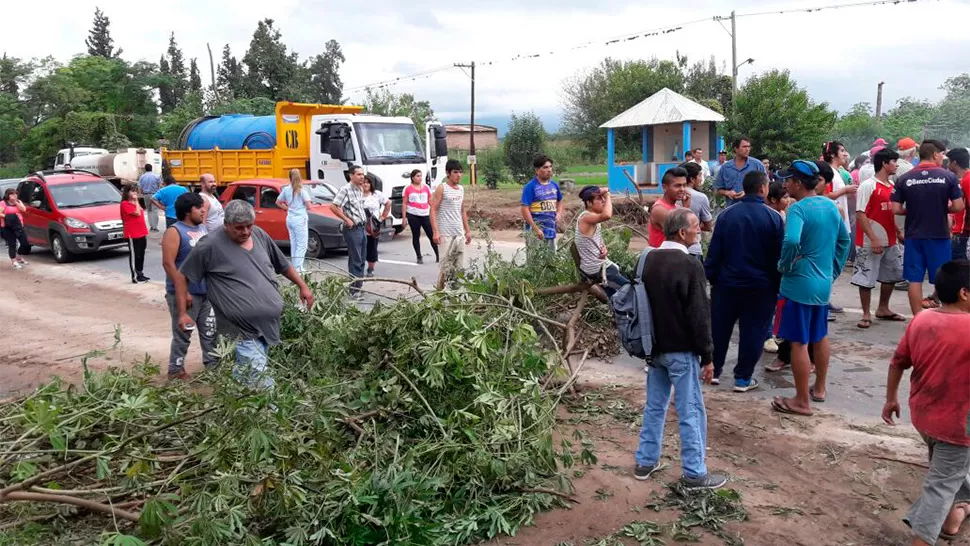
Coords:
pixel 886 268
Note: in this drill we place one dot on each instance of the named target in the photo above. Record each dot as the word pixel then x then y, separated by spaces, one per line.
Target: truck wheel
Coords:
pixel 314 246
pixel 61 253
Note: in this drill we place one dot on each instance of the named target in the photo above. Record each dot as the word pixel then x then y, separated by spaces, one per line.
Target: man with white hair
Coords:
pixel 239 264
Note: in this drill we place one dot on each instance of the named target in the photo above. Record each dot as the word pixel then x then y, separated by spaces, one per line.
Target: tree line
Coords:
pixel 101 99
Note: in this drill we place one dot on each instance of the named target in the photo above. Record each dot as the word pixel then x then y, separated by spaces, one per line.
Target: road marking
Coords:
pixel 395 262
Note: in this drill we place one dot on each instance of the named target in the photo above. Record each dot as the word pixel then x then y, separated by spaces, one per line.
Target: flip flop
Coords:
pixel 819 399
pixel 780 405
pixel 775 368
pixel 966 516
pixel 864 323
pixel 895 317
pixel 929 303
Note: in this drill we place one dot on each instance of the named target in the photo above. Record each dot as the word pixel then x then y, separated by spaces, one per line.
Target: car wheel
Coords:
pixel 314 246
pixel 61 253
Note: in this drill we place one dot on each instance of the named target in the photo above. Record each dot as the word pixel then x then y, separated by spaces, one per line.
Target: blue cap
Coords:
pixel 799 169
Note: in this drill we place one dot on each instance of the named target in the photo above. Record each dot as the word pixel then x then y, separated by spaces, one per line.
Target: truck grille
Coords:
pixel 108 225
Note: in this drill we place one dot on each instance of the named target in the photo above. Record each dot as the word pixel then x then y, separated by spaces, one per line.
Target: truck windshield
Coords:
pixel 389 143
pixel 84 194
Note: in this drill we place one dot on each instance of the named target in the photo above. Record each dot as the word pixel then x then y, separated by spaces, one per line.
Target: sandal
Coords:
pixel 776 366
pixel 966 516
pixel 864 324
pixel 930 303
pixel 895 317
pixel 780 405
pixel 818 399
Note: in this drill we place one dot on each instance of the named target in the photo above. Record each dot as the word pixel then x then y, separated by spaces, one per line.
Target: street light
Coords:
pixel 749 61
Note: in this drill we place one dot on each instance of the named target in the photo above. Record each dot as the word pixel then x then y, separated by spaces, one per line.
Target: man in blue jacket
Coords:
pixel 742 267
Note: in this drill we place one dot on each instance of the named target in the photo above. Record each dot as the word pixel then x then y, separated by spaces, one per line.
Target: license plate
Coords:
pixel 116 235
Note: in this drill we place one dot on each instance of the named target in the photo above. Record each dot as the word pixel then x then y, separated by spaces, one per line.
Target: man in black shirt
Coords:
pixel 682 352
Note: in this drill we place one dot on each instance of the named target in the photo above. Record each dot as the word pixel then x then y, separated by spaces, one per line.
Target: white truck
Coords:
pixel 122 167
pixel 388 149
pixel 66 156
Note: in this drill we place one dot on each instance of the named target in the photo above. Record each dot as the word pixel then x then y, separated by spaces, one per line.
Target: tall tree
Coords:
pixel 229 76
pixel 384 103
pixel 176 64
pixel 99 41
pixel 525 139
pixel 166 93
pixel 779 117
pixel 270 67
pixel 704 83
pixel 324 72
pixel 909 118
pixel 195 79
pixel 14 74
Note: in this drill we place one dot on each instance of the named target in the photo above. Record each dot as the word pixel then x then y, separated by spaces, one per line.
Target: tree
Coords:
pixel 592 98
pixel 782 122
pixel 951 118
pixel 14 74
pixel 195 79
pixel 270 67
pixel 177 71
pixel 908 118
pixel 99 41
pixel 525 139
pixel 857 129
pixel 166 95
pixel 324 70
pixel 705 85
pixel 229 76
pixel 384 103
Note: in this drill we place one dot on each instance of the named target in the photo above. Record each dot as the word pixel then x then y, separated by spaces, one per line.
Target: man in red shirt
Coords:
pixel 937 347
pixel 878 256
pixel 674 184
pixel 960 166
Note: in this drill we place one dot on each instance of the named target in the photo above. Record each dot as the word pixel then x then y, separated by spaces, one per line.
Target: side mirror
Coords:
pixel 440 136
pixel 336 140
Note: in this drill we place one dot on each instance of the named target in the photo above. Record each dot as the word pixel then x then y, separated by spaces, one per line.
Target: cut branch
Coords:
pixel 413 283
pixel 64 499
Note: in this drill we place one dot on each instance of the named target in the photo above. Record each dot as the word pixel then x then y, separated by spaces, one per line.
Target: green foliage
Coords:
pixel 229 76
pixel 857 129
pixel 908 118
pixel 525 139
pixel 491 168
pixel 384 103
pixel 99 41
pixel 779 117
pixel 270 65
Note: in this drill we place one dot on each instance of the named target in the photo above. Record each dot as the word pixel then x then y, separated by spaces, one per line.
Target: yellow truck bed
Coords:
pixel 292 119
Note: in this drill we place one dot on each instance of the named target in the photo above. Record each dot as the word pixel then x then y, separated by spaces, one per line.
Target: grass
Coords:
pixel 586 169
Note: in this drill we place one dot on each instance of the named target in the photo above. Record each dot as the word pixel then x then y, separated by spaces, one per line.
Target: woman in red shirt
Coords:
pixel 417 203
pixel 12 227
pixel 136 232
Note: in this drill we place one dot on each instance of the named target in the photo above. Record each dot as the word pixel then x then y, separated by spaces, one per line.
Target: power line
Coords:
pixel 823 8
pixel 410 77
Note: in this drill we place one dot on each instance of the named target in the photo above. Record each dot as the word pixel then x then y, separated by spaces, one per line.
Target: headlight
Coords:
pixel 75 223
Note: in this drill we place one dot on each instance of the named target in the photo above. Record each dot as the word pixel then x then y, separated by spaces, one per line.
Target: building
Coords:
pixel 459 136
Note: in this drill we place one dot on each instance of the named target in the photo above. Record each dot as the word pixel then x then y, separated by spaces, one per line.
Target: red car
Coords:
pixel 71 212
pixel 324 227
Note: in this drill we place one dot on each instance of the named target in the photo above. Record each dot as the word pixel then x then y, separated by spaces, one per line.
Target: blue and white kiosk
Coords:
pixel 670 124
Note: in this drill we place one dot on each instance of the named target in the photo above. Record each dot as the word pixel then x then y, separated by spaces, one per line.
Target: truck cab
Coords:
pixel 65 156
pixel 387 148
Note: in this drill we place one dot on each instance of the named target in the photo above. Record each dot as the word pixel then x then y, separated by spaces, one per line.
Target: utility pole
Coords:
pixel 471 129
pixel 734 56
pixel 879 100
pixel 212 72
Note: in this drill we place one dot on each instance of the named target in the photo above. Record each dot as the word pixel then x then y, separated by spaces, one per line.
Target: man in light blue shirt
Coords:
pixel 730 177
pixel 164 199
pixel 814 251
pixel 148 184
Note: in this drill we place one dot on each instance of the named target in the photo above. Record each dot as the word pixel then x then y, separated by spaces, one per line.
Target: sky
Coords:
pixel 838 55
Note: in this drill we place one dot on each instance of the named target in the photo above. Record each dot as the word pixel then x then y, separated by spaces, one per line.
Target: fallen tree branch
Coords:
pixel 562 289
pixel 545 491
pixel 569 383
pixel 353 420
pixel 64 499
pixel 413 283
pixel 421 396
pixel 884 458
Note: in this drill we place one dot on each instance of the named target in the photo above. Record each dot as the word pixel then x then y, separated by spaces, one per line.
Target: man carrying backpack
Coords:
pixel 682 352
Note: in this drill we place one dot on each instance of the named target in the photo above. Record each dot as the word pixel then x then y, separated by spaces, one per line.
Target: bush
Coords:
pixel 491 168
pixel 525 140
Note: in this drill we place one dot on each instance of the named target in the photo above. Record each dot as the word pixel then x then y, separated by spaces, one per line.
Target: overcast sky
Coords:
pixel 838 55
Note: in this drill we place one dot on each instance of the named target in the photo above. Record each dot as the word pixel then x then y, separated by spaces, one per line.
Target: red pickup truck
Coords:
pixel 71 212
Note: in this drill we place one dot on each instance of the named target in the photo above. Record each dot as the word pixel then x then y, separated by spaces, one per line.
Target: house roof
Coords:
pixel 664 106
pixel 464 128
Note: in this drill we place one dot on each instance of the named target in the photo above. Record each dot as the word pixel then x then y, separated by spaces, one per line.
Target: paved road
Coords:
pixel 859 357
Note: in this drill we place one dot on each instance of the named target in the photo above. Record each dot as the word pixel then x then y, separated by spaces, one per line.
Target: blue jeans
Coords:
pixel 682 372
pixel 356 239
pixel 251 364
pixel 297 226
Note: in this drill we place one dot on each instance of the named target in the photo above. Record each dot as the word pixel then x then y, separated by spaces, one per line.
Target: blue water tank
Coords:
pixel 234 132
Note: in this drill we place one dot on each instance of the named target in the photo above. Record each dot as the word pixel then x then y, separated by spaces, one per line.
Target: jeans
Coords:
pixel 204 318
pixel 611 281
pixel 151 212
pixel 251 364
pixel 751 309
pixel 959 247
pixel 296 225
pixel 356 239
pixel 682 372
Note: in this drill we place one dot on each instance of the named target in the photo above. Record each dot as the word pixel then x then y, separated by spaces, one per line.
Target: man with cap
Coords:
pixel 926 196
pixel 908 151
pixel 593 261
pixel 813 254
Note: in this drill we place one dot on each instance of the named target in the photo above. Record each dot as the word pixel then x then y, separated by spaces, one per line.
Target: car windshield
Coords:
pixel 321 193
pixel 389 143
pixel 84 194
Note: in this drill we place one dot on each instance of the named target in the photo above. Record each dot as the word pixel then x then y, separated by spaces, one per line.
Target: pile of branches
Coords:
pixel 424 421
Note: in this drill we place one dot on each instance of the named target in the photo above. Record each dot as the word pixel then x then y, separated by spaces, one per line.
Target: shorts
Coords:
pixel 885 268
pixel 925 256
pixel 452 249
pixel 803 323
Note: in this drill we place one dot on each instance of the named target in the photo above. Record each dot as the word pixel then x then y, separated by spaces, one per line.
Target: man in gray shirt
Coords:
pixel 148 184
pixel 239 264
pixel 699 204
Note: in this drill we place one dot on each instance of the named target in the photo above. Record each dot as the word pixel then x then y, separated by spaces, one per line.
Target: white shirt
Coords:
pixel 673 245
pixel 216 215
pixel 842 202
pixel 705 168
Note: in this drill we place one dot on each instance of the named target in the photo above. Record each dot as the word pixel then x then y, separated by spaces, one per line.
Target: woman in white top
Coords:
pixel 294 200
pixel 378 208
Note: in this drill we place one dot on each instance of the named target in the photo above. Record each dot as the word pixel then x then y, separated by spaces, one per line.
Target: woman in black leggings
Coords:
pixel 417 202
pixel 12 227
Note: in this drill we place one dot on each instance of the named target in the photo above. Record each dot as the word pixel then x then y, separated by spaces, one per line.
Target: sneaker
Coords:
pixel 23 261
pixel 711 481
pixel 420 261
pixel 356 296
pixel 181 375
pixel 742 385
pixel 771 346
pixel 18 265
pixel 835 309
pixel 142 278
pixel 831 317
pixel 715 381
pixel 644 472
pixel 370 273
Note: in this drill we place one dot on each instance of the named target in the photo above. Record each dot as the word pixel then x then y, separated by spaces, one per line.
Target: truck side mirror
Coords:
pixel 440 147
pixel 333 140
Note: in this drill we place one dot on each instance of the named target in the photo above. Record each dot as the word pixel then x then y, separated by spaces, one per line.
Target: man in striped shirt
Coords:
pixel 449 223
pixel 348 205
